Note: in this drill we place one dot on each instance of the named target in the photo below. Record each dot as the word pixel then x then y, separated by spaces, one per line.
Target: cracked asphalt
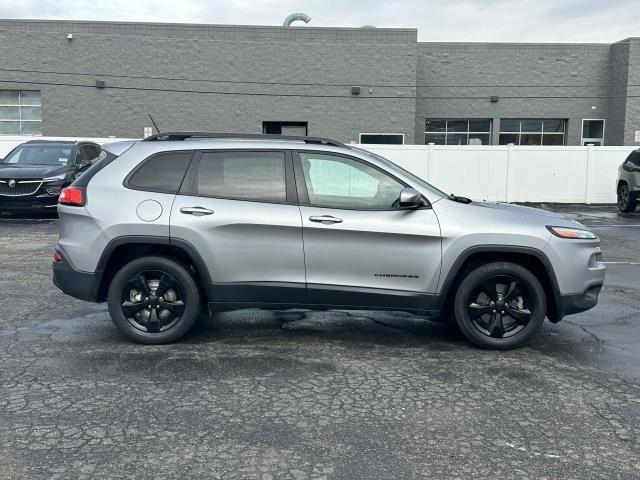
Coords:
pixel 334 395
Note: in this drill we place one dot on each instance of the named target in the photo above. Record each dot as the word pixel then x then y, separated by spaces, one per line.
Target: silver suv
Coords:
pixel 628 184
pixel 162 227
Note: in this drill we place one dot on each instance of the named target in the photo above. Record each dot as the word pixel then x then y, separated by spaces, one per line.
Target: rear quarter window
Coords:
pixel 162 172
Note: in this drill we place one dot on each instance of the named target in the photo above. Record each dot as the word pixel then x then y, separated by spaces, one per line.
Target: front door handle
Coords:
pixel 197 211
pixel 326 219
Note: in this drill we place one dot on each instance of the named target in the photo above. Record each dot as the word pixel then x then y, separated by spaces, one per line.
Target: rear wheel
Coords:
pixel 626 203
pixel 499 305
pixel 153 300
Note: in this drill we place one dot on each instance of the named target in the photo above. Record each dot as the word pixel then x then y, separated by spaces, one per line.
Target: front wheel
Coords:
pixel 499 305
pixel 153 300
pixel 626 203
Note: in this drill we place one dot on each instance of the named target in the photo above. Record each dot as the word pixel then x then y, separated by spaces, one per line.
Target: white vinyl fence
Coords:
pixel 493 173
pixel 514 174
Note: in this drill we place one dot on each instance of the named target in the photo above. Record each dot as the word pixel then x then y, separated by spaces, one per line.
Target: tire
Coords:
pixel 513 290
pixel 136 285
pixel 626 203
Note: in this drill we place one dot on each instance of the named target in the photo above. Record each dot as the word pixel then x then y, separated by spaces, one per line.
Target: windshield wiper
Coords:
pixel 455 198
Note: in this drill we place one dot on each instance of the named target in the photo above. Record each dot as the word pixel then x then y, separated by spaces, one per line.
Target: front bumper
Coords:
pixel 579 271
pixel 81 285
pixel 32 203
pixel 581 302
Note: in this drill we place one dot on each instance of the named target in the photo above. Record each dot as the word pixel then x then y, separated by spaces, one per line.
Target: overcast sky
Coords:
pixel 436 20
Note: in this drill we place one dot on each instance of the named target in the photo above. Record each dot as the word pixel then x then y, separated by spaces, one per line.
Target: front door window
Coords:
pixel 340 182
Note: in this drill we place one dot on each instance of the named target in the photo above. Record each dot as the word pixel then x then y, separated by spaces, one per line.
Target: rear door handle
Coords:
pixel 326 219
pixel 197 211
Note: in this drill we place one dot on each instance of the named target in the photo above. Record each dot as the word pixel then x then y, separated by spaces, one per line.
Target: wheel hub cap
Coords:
pixel 152 301
pixel 498 307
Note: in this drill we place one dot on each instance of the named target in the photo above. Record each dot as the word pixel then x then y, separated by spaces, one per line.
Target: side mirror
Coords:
pixel 410 198
pixel 84 165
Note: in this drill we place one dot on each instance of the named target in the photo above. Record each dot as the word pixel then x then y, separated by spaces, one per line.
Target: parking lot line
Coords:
pixel 614 226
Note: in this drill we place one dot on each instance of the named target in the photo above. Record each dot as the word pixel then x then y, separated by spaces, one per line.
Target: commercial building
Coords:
pixel 370 85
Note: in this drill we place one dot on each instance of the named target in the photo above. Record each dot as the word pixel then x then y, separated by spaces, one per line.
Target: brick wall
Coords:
pixel 632 97
pixel 189 78
pixel 531 80
pixel 331 60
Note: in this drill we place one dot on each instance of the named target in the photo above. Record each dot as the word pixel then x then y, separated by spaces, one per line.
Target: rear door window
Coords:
pixel 104 158
pixel 83 154
pixel 87 153
pixel 254 176
pixel 162 172
pixel 94 152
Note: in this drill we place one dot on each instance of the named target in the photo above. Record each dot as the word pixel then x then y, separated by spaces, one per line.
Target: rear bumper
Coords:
pixel 570 304
pixel 81 285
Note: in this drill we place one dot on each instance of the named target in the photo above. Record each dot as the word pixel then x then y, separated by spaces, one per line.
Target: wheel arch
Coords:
pixel 531 258
pixel 122 250
pixel 621 181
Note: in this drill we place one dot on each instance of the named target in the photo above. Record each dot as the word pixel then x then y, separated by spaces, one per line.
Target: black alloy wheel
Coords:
pixel 499 305
pixel 154 300
pixel 626 203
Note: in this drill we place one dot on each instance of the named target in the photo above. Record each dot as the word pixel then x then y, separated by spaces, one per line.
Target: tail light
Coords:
pixel 57 258
pixel 74 196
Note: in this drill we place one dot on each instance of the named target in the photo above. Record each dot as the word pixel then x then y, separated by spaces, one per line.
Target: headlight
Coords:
pixel 574 233
pixel 60 177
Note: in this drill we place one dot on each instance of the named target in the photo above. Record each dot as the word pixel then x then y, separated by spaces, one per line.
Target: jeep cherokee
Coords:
pixel 162 227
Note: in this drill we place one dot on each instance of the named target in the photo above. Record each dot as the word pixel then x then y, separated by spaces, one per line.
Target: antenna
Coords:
pixel 154 123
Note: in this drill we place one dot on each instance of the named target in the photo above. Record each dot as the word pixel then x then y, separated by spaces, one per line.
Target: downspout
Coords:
pixel 294 17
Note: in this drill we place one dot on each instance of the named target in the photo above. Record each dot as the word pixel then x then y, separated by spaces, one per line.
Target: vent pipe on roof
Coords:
pixel 294 17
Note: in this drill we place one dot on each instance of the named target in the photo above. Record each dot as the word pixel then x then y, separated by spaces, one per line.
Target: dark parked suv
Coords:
pixel 628 184
pixel 33 174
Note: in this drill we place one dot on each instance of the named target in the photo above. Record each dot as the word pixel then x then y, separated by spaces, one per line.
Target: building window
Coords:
pixel 382 138
pixel 285 128
pixel 20 112
pixel 592 132
pixel 532 131
pixel 458 131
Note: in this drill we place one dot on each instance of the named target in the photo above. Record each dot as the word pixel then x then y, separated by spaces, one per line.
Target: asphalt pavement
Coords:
pixel 295 395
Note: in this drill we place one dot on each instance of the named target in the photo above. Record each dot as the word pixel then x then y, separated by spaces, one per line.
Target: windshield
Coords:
pixel 40 155
pixel 407 173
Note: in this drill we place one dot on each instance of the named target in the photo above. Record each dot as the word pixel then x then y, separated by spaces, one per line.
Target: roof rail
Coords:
pixel 178 136
pixel 52 141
